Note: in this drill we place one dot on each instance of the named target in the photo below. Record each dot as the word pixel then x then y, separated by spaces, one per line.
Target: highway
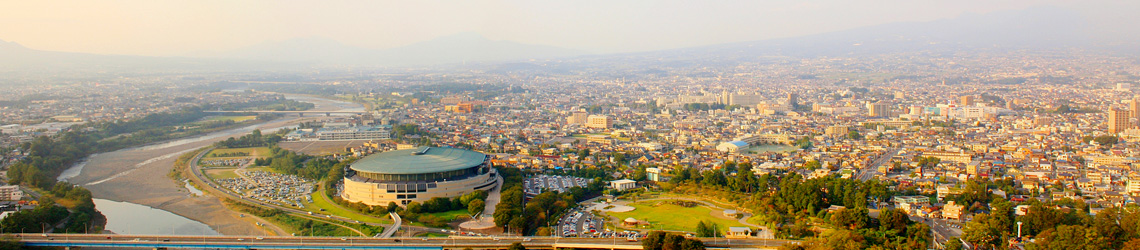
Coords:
pixel 275 242
pixel 209 186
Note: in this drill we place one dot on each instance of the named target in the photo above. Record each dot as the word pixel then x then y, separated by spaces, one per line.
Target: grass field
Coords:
pixel 320 201
pixel 222 173
pixel 231 118
pixel 451 215
pixel 664 216
pixel 253 152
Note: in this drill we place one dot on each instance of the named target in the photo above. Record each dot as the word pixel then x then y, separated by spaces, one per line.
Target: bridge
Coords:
pixel 290 242
pixel 299 112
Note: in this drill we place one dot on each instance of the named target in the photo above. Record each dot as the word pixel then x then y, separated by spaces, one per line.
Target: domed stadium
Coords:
pixel 419 174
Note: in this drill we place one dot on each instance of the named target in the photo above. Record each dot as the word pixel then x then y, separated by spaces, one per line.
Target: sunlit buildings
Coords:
pixel 1117 120
pixel 599 121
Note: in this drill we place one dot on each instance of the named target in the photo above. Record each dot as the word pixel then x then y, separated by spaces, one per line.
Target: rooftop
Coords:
pixel 420 160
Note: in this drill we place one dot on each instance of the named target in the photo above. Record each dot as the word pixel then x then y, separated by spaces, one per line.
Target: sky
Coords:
pixel 168 28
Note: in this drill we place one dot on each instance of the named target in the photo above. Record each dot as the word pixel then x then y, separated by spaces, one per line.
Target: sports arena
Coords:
pixel 419 174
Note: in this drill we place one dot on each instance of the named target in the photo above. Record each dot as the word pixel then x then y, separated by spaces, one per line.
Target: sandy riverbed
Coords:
pixel 139 175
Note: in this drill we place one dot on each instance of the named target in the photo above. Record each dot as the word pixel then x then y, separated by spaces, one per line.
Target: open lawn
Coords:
pixel 221 173
pixel 251 152
pixel 664 216
pixel 320 201
pixel 451 215
pixel 231 118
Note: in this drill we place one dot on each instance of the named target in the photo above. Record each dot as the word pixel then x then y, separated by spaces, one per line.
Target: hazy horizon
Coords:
pixel 173 28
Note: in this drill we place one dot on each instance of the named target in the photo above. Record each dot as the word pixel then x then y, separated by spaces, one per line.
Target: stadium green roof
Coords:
pixel 411 161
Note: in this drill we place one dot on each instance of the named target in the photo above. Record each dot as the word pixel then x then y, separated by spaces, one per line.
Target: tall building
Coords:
pixel 793 99
pixel 878 109
pixel 599 121
pixel 1117 120
pixel 836 131
pixel 578 117
pixel 967 100
pixel 1135 106
pixel 743 99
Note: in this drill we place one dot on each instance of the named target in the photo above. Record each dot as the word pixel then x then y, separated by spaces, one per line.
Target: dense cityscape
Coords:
pixel 859 139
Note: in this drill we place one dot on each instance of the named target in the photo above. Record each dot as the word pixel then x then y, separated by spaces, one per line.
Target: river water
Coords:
pixel 132 218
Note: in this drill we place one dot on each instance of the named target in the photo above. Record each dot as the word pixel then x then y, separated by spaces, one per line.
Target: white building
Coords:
pixel 11 193
pixel 623 184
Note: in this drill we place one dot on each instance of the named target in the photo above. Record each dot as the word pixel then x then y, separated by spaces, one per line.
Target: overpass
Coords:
pixel 289 242
pixel 299 112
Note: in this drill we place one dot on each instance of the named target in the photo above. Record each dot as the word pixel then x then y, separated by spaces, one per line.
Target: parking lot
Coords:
pixel 271 187
pixel 583 224
pixel 540 183
pixel 579 223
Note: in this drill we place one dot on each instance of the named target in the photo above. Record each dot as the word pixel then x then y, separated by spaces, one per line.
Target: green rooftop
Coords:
pixel 420 160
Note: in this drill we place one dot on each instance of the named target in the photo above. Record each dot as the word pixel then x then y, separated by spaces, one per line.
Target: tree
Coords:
pixel 850 218
pixel 981 234
pixel 543 231
pixel 672 242
pixel 1070 237
pixel 516 246
pixel 893 219
pixel 392 207
pixel 706 229
pixel 844 239
pixel 414 208
pixel 954 244
pixel 476 206
pixel 691 244
pixel 1133 244
pixel 653 241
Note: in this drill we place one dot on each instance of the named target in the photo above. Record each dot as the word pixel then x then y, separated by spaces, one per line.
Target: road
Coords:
pixel 389 231
pixel 942 229
pixel 271 242
pixel 873 169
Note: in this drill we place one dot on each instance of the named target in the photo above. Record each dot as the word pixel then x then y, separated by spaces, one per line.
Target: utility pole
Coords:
pixel 1019 230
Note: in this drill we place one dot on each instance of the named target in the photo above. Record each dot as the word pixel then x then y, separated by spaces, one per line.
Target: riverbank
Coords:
pixel 139 175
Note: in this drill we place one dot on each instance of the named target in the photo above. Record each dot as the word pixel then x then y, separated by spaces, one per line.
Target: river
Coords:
pixel 130 218
pixel 132 189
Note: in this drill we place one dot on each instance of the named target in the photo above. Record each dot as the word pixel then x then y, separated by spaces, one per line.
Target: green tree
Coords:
pixel 516 246
pixel 476 206
pixel 893 219
pixel 392 207
pixel 1070 237
pixel 653 241
pixel 954 244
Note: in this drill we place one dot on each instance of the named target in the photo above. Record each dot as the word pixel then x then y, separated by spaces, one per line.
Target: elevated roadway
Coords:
pixel 273 242
pixel 298 112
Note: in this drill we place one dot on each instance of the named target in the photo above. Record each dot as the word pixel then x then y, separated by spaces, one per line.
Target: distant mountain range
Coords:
pixel 1034 28
pixel 464 47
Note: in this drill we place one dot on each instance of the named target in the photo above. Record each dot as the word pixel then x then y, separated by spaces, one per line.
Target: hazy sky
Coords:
pixel 159 27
